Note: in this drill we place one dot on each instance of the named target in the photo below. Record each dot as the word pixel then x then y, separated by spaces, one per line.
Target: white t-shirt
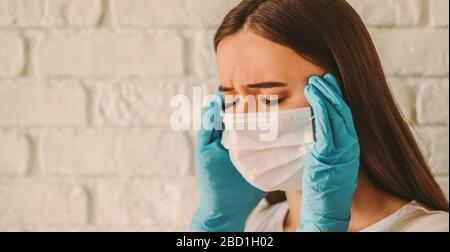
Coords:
pixel 413 217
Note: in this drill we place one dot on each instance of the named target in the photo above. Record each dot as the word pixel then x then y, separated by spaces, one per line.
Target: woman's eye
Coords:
pixel 271 102
pixel 229 104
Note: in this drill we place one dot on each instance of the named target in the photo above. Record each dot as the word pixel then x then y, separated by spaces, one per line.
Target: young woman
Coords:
pixel 361 171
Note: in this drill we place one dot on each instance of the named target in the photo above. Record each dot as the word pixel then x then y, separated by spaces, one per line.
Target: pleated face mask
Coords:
pixel 275 165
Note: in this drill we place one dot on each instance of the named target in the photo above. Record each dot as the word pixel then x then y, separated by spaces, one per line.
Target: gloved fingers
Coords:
pixel 205 136
pixel 324 134
pixel 330 89
pixel 342 139
pixel 334 83
pixel 327 91
pixel 211 125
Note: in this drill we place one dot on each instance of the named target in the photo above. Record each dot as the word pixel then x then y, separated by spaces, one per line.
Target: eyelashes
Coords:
pixel 229 104
pixel 271 102
pixel 262 99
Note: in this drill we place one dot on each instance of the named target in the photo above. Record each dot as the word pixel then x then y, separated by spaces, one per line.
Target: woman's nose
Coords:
pixel 247 103
pixel 248 100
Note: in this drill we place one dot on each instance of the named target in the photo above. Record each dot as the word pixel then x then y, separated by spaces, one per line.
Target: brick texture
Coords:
pixel 85 87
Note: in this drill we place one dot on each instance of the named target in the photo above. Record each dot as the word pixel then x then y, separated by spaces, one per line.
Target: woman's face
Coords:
pixel 250 65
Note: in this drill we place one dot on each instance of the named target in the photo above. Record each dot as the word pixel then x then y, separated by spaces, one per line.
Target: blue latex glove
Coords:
pixel 226 198
pixel 331 168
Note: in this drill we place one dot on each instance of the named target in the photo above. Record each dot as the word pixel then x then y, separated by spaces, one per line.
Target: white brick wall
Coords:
pixel 11 53
pixel 84 138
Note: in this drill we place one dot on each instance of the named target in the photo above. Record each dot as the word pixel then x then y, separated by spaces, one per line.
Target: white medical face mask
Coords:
pixel 270 165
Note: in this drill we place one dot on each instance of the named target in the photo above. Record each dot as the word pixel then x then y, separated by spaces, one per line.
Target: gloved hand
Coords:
pixel 331 168
pixel 226 198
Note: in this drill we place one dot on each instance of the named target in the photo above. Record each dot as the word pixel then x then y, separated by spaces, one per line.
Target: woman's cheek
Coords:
pixel 295 101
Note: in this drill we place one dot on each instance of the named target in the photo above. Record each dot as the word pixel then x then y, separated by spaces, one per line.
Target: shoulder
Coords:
pixel 432 222
pixel 267 218
pixel 422 219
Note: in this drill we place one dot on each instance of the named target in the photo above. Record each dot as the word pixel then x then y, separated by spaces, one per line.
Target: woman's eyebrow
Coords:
pixel 271 84
pixel 225 89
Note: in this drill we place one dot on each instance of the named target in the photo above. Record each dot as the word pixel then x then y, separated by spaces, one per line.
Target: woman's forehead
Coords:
pixel 248 58
pixel 249 47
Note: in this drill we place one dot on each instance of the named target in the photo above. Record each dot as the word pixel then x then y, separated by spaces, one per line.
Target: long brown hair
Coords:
pixel 331 34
